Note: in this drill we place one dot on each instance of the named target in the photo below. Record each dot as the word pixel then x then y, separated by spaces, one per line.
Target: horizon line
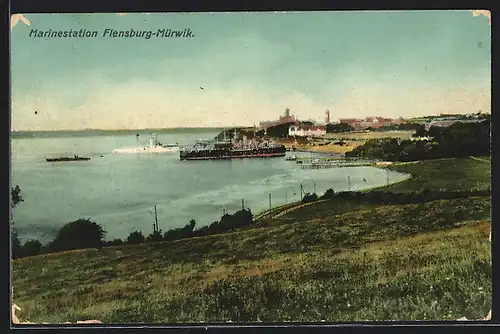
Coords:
pixel 142 129
pixel 209 127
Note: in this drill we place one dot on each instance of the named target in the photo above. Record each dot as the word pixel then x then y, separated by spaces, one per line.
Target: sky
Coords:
pixel 238 69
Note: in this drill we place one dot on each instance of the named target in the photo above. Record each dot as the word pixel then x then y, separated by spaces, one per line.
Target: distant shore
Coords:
pixel 100 132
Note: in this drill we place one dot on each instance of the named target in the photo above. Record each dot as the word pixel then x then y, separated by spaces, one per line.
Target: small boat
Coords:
pixel 73 158
pixel 292 158
pixel 154 146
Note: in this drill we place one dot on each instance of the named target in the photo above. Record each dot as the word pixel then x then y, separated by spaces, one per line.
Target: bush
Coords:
pixel 457 140
pixel 135 237
pixel 238 219
pixel 114 242
pixel 16 198
pixel 16 245
pixel 309 198
pixel 156 236
pixel 79 234
pixel 329 193
pixel 15 195
pixel 30 248
pixel 336 128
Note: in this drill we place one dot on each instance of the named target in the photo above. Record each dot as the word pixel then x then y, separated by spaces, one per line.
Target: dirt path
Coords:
pixel 480 159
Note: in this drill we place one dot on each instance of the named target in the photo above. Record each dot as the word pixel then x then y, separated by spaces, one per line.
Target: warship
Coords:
pixel 73 158
pixel 234 148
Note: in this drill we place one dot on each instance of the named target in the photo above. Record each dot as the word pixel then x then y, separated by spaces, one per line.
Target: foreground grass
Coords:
pixel 338 260
pixel 342 266
pixel 444 174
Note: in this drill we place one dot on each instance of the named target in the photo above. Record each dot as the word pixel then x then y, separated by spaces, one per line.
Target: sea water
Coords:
pixel 120 191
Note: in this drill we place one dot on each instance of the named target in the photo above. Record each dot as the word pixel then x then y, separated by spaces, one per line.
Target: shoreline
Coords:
pixel 325 149
pixel 299 204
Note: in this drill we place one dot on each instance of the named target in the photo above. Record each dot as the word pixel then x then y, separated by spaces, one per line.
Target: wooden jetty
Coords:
pixel 332 164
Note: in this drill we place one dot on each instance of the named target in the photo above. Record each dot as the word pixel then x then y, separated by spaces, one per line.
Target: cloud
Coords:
pixel 14 18
pixel 166 103
pixel 486 13
pixel 245 79
pixel 238 90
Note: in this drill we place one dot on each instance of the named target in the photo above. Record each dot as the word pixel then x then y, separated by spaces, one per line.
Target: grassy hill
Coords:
pixel 339 260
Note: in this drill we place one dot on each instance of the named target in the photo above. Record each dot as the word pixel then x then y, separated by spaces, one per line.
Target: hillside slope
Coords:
pixel 332 261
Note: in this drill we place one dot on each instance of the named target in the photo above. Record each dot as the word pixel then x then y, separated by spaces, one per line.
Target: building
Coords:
pixel 444 124
pixel 327 117
pixel 425 138
pixel 287 118
pixel 306 131
pixel 371 122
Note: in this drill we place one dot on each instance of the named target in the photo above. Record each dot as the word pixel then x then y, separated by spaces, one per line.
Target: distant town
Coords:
pixel 299 128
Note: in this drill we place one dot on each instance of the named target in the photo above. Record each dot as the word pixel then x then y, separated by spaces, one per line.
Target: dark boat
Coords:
pixel 73 158
pixel 235 149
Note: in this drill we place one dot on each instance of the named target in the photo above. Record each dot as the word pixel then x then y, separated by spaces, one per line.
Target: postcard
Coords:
pixel 251 167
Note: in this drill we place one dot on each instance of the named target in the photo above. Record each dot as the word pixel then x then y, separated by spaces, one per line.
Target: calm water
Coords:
pixel 120 191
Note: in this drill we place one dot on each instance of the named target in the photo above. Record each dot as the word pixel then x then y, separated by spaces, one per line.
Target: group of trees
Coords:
pixel 83 233
pixel 456 140
pixel 276 131
pixel 15 199
pixel 336 128
pixel 227 223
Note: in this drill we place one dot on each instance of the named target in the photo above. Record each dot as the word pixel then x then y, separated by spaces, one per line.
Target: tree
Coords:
pixel 30 248
pixel 192 224
pixel 135 237
pixel 79 234
pixel 156 236
pixel 279 130
pixel 329 193
pixel 341 127
pixel 309 198
pixel 420 131
pixel 16 198
pixel 114 242
pixel 457 140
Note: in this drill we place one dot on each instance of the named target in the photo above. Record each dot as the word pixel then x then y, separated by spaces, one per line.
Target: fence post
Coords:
pixel 270 206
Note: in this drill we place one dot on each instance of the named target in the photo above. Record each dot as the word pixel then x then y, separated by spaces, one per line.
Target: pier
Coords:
pixel 334 164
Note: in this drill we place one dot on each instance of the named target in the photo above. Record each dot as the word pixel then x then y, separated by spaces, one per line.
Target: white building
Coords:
pixel 306 131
